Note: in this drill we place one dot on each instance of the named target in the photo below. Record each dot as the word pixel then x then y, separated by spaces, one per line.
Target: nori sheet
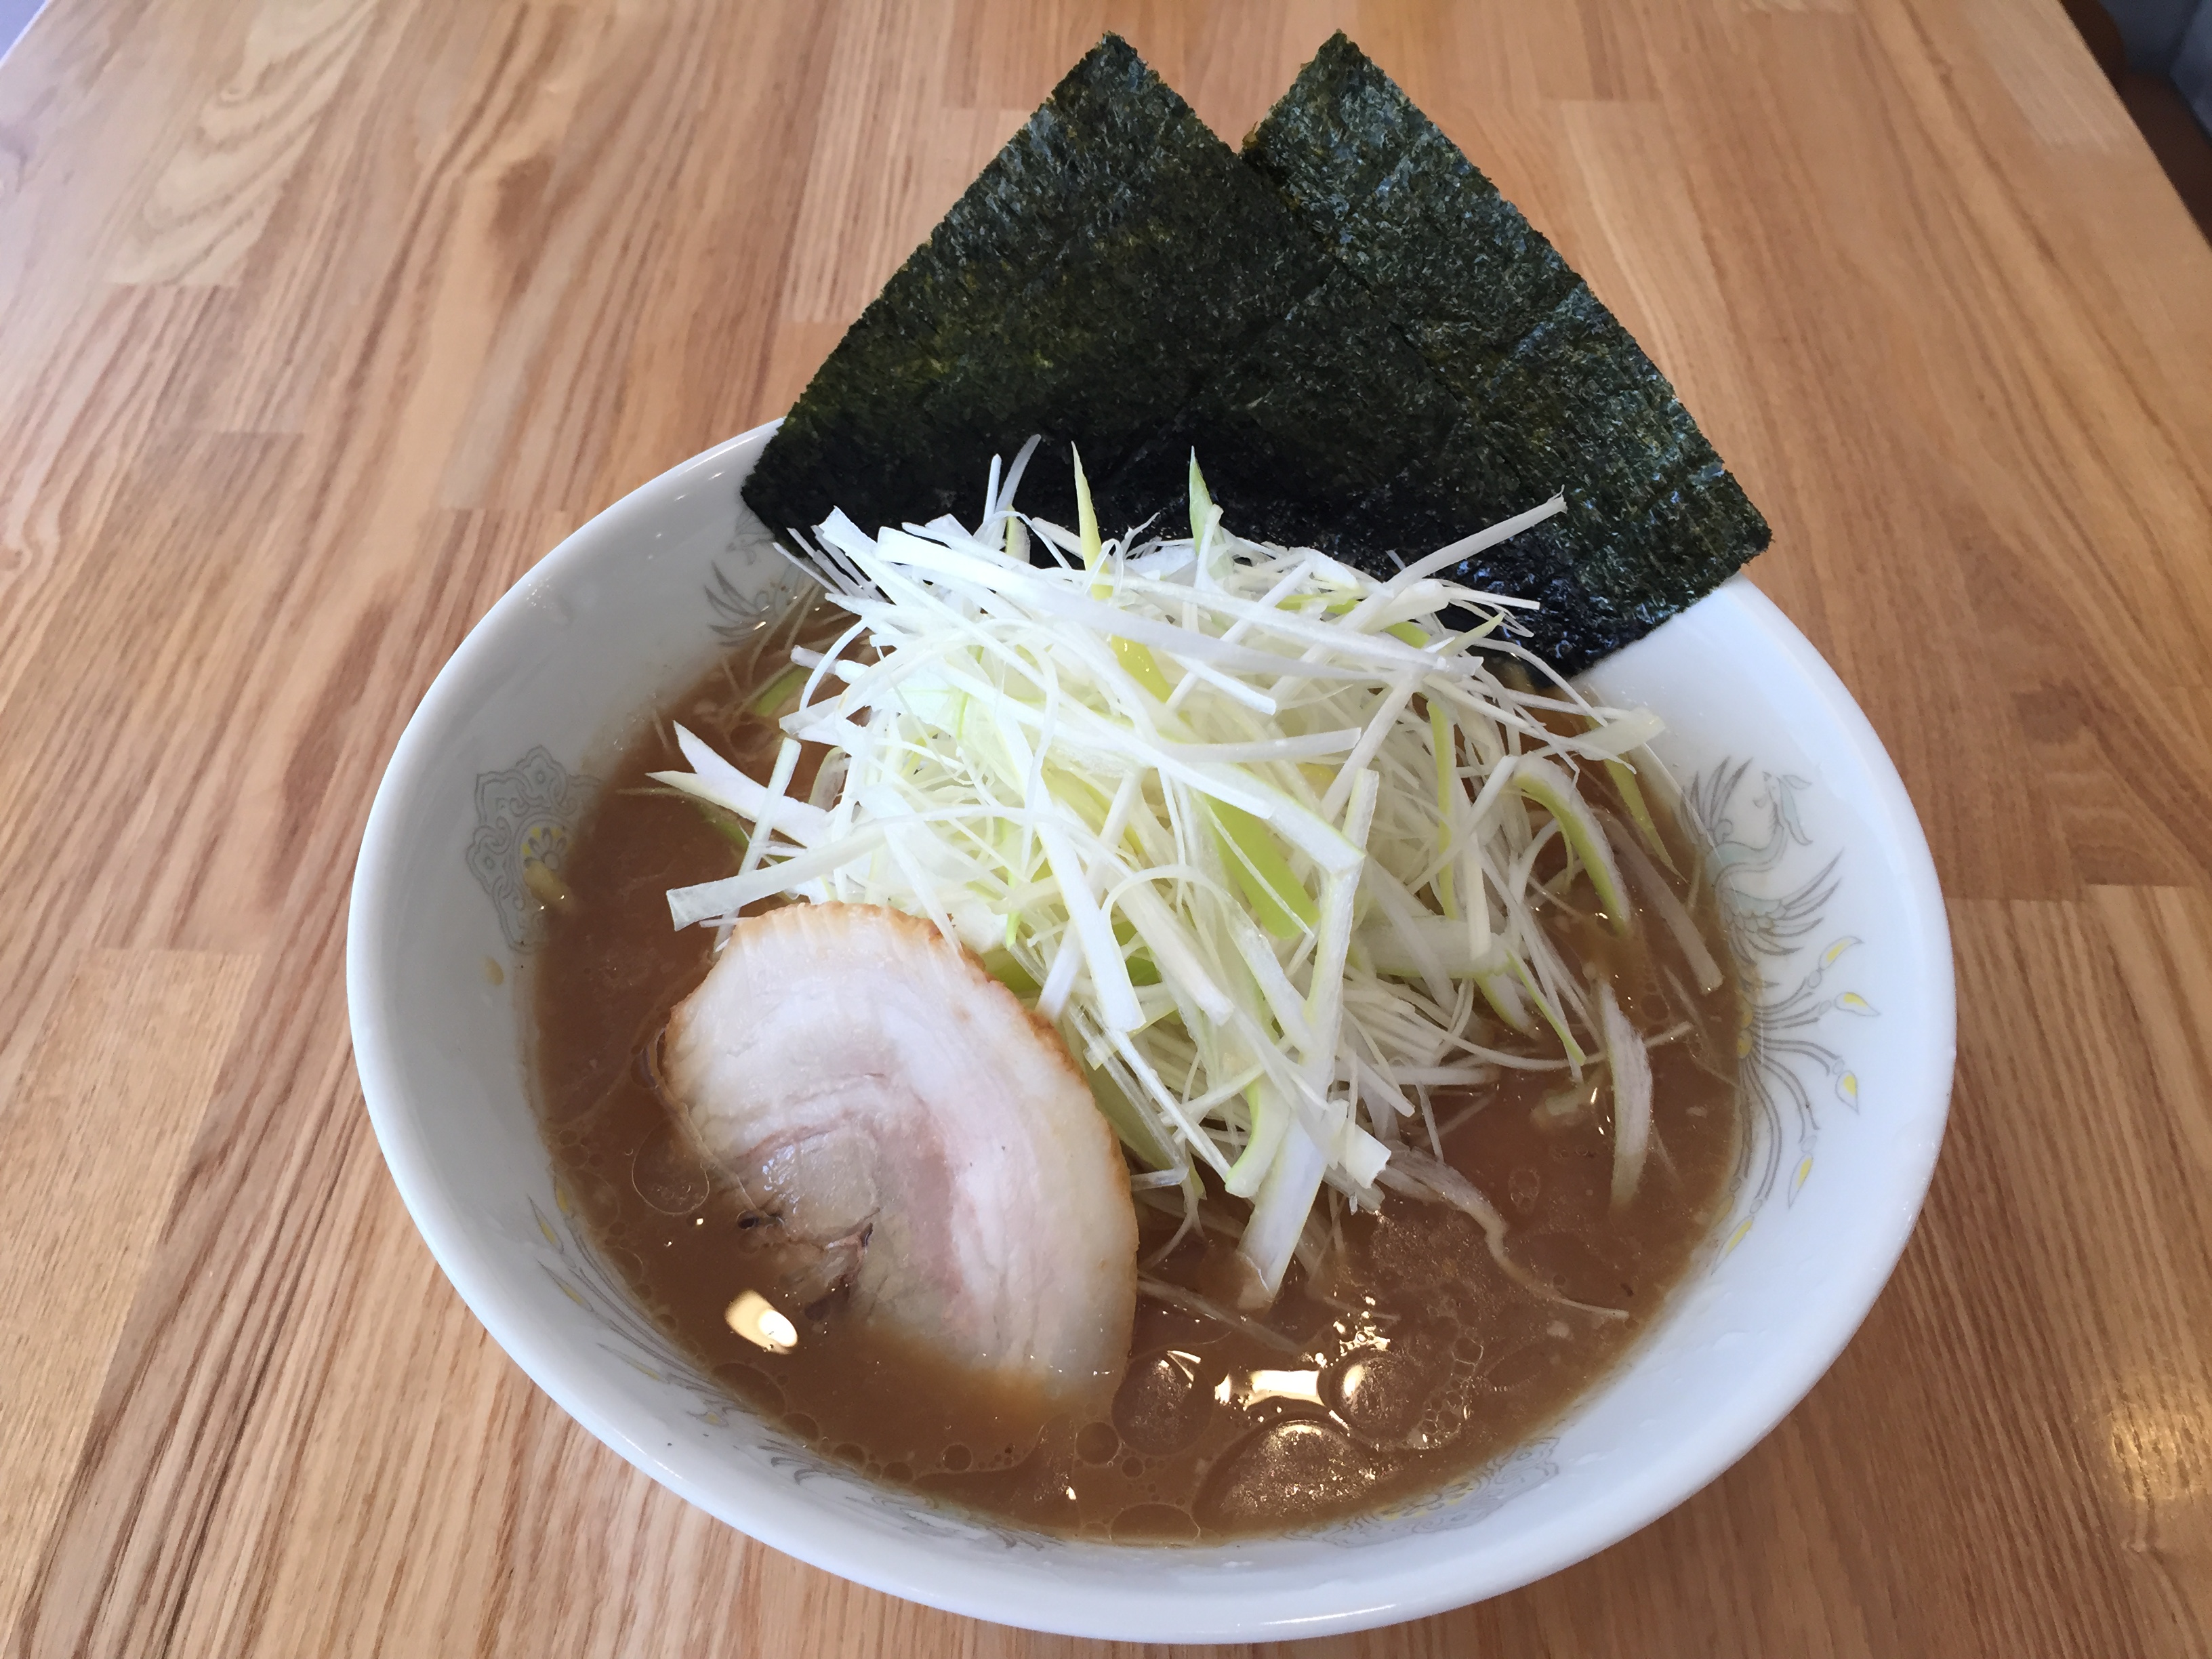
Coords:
pixel 1553 392
pixel 1118 277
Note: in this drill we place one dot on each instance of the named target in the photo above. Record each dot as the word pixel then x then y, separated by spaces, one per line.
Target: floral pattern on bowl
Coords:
pixel 1782 1062
pixel 527 818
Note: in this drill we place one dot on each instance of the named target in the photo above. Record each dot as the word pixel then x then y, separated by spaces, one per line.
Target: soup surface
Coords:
pixel 1397 1357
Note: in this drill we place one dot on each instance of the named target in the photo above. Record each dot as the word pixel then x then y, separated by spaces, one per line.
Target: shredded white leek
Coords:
pixel 1631 1095
pixel 1251 826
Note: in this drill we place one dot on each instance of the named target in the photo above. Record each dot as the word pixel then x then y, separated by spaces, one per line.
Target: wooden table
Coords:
pixel 321 320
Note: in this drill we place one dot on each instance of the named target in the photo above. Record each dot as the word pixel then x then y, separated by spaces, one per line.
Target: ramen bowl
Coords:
pixel 1831 907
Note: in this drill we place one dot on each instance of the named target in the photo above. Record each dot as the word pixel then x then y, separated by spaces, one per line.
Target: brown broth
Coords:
pixel 1411 1360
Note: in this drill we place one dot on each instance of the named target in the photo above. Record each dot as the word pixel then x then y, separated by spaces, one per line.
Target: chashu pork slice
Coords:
pixel 895 1116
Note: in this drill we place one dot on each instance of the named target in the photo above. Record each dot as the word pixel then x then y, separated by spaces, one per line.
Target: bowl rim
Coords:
pixel 1006 1592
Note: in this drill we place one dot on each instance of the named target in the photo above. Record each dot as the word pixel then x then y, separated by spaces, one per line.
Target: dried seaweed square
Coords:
pixel 1552 392
pixel 1113 265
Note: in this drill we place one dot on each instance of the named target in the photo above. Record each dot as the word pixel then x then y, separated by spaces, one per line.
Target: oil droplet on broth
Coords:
pixel 667 1174
pixel 755 1386
pixel 1296 1466
pixel 1523 1188
pixel 1154 1523
pixel 1380 1396
pixel 1162 1405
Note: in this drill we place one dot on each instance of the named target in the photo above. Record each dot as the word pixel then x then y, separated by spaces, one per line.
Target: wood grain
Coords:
pixel 124 1071
pixel 325 317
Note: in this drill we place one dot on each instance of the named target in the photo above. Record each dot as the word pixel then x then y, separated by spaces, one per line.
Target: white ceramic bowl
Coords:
pixel 1836 916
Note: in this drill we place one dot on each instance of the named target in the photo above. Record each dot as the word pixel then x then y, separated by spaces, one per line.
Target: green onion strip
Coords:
pixel 1252 828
